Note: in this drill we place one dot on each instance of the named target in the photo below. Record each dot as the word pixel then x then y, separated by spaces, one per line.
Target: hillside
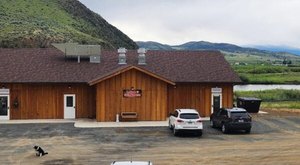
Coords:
pixel 233 53
pixel 37 23
pixel 292 50
pixel 203 45
pixel 197 45
pixel 150 45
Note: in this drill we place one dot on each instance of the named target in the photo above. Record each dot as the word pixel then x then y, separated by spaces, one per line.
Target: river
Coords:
pixel 258 87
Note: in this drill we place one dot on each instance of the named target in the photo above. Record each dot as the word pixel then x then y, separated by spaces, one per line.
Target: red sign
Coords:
pixel 132 93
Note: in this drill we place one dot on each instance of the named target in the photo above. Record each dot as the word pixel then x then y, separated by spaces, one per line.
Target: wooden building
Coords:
pixel 44 84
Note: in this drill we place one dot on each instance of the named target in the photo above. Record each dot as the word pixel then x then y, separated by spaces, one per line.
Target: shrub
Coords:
pixel 244 78
pixel 271 95
pixel 268 69
pixel 295 69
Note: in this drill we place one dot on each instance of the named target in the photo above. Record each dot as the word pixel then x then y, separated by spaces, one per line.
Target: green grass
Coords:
pixel 258 59
pixel 260 68
pixel 281 105
pixel 274 98
pixel 273 78
pixel 271 95
pixel 268 74
pixel 36 18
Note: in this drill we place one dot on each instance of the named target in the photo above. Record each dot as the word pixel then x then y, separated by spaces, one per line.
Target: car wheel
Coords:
pixel 248 130
pixel 200 133
pixel 224 129
pixel 212 124
pixel 170 126
pixel 175 132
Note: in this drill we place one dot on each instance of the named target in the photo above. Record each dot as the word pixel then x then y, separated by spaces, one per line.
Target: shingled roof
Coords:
pixel 33 65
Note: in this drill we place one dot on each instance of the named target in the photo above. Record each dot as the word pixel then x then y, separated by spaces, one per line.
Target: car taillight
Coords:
pixel 199 121
pixel 179 121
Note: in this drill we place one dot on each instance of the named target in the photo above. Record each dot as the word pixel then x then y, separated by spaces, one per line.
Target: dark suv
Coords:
pixel 231 119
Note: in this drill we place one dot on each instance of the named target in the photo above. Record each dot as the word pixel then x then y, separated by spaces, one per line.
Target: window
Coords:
pixel 239 114
pixel 223 113
pixel 69 101
pixel 189 116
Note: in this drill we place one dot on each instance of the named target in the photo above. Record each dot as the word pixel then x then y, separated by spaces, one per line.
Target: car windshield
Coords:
pixel 239 114
pixel 189 116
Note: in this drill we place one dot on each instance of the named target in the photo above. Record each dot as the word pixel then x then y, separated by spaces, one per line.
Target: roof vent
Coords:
pixel 142 56
pixel 122 56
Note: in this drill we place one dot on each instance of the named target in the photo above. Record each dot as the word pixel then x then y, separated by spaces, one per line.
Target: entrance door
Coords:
pixel 216 102
pixel 69 106
pixel 4 107
pixel 216 99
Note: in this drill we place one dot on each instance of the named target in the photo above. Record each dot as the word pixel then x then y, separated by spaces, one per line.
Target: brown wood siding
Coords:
pixel 46 101
pixel 227 95
pixel 151 106
pixel 197 96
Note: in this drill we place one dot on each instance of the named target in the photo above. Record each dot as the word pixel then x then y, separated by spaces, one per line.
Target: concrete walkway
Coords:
pixel 92 123
pixel 85 123
pixel 32 121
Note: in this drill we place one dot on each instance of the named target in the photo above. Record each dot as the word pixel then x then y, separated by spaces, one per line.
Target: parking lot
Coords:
pixel 275 139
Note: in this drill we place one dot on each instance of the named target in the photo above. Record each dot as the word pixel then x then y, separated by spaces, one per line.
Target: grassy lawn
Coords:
pixel 260 68
pixel 279 98
pixel 271 78
pixel 268 74
pixel 281 105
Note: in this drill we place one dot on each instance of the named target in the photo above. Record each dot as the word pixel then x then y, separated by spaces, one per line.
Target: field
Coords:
pixel 265 68
pixel 268 74
pixel 257 58
pixel 274 99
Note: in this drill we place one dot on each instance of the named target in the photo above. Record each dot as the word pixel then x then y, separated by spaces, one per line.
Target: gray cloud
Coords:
pixel 242 22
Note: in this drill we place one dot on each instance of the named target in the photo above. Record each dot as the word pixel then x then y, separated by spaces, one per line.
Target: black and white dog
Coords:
pixel 39 151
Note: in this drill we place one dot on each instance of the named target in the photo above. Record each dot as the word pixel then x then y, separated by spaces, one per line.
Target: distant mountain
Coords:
pixel 233 53
pixel 38 23
pixel 150 45
pixel 197 45
pixel 291 50
pixel 203 45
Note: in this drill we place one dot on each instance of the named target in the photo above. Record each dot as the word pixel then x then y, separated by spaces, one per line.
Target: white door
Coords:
pixel 216 102
pixel 69 106
pixel 216 99
pixel 4 107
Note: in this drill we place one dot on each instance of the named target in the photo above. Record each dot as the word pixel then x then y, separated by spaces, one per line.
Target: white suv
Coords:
pixel 185 120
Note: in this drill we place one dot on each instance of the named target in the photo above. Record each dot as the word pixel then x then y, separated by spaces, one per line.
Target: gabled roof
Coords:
pixel 37 65
pixel 127 68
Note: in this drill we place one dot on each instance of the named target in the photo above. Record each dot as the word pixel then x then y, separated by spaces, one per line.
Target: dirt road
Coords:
pixel 275 139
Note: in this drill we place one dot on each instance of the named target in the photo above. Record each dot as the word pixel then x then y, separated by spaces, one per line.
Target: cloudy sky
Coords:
pixel 241 22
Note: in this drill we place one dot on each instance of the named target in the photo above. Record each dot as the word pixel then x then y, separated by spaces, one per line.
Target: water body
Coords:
pixel 259 87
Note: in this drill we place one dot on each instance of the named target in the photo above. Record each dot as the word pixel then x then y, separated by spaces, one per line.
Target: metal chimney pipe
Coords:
pixel 142 56
pixel 122 56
